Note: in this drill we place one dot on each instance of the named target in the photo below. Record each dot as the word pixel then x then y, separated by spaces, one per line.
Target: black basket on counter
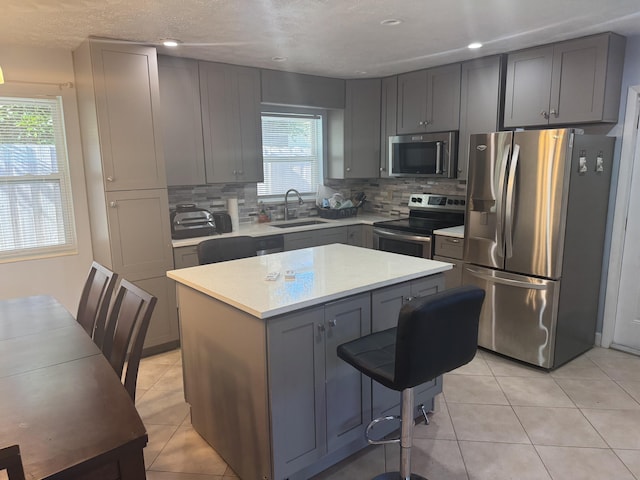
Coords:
pixel 334 213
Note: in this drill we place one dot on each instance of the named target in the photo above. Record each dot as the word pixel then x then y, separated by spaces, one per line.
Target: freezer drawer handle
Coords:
pixel 506 281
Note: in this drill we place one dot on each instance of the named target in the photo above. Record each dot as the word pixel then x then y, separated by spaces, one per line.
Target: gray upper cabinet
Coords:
pixel 181 120
pixel 118 89
pixel 480 103
pixel 388 119
pixel 287 88
pixel 577 81
pixel 362 129
pixel 429 100
pixel 231 123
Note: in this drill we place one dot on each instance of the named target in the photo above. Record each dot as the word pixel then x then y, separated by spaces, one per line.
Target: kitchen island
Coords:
pixel 261 374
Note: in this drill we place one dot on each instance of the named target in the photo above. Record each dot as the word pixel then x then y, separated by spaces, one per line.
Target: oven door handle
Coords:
pixel 401 236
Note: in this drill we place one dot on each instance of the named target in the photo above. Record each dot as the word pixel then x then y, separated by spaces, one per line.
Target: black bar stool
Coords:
pixel 435 335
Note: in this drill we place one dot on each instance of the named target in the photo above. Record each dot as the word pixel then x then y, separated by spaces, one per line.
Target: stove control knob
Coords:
pixel 463 202
pixel 456 202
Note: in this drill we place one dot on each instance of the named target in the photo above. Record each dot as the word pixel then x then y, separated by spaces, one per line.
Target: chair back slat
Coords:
pixel 94 301
pixel 11 461
pixel 126 330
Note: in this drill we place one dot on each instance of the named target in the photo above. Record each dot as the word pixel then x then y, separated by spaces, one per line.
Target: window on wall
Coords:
pixel 36 209
pixel 292 151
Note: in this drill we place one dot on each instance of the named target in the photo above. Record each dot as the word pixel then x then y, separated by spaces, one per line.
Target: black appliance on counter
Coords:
pixel 413 235
pixel 222 221
pixel 188 221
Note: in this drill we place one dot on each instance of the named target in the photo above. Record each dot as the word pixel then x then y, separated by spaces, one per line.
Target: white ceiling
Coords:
pixel 338 38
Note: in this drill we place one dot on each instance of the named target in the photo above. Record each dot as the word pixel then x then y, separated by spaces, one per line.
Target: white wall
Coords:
pixel 27 71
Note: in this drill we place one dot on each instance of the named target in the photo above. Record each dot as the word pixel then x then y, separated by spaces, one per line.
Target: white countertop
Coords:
pixel 322 274
pixel 263 229
pixel 457 232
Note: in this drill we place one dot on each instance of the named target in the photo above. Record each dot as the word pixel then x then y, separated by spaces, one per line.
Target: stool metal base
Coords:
pixel 396 476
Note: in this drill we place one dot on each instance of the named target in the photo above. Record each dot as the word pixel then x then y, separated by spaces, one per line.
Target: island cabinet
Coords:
pixel 319 403
pixel 231 123
pixel 481 100
pixel 354 133
pixel 118 106
pixel 181 120
pixel 577 81
pixel 429 100
pixel 388 119
pixel 385 305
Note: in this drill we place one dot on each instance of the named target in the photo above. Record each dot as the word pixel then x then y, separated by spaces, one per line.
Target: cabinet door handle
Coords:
pixel 544 114
pixel 109 179
pixel 321 328
pixel 235 172
pixel 113 204
pixel 554 112
pixel 240 172
pixel 348 169
pixel 408 299
pixel 333 322
pixel 382 169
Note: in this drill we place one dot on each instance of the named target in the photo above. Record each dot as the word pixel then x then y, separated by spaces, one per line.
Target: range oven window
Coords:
pixel 401 246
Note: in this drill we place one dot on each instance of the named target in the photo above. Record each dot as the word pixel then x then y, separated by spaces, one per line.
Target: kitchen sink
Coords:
pixel 301 223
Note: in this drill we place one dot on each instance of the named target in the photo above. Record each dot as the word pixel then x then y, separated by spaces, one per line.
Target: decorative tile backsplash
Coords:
pixel 384 195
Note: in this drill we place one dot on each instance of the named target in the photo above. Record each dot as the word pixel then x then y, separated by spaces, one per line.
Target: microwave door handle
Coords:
pixel 511 180
pixel 500 200
pixel 438 157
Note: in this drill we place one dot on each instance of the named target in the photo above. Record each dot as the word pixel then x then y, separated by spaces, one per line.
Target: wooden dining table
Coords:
pixel 60 399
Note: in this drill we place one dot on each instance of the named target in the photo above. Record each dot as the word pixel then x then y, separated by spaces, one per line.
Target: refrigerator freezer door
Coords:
pixel 488 161
pixel 535 204
pixel 518 317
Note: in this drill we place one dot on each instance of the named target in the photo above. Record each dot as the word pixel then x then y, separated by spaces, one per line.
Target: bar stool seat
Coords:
pixel 435 334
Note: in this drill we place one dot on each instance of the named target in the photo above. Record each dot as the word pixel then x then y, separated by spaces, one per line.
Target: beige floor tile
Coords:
pixel 160 407
pixel 159 435
pixel 171 380
pixel 472 389
pixel 477 366
pixel 631 459
pixel 486 423
pixel 187 452
pixel 583 463
pixel 587 393
pixel 606 353
pixel 171 357
pixel 151 475
pixel 632 388
pixel 365 464
pixel 619 428
pixel 581 367
pixel 504 367
pixel 440 425
pixel 543 392
pixel 150 373
pixel 502 461
pixel 619 366
pixel 439 459
pixel 559 427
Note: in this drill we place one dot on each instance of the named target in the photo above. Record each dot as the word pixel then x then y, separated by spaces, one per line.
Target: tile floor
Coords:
pixel 495 420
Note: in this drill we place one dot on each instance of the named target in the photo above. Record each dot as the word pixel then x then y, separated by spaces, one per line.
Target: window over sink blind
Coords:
pixel 292 152
pixel 36 209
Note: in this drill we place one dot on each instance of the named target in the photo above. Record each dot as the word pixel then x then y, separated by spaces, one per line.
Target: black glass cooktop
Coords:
pixel 423 222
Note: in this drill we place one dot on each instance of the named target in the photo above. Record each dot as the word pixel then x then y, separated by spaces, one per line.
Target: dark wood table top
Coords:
pixel 60 400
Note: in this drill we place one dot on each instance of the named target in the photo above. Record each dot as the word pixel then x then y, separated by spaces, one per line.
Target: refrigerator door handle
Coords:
pixel 505 281
pixel 500 201
pixel 508 217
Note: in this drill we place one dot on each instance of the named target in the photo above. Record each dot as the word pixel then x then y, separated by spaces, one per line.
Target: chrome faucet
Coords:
pixel 286 201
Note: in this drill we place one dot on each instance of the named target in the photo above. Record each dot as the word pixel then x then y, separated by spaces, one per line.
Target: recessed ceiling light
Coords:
pixel 474 45
pixel 169 42
pixel 391 22
pixel 279 59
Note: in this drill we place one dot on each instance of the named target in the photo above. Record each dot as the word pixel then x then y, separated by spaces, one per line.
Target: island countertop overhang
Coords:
pixel 321 274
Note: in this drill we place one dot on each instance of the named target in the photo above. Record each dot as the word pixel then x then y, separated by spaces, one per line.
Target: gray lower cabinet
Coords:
pixel 385 305
pixel 450 249
pixel 331 405
pixel 181 120
pixel 355 235
pixel 576 81
pixel 184 257
pixel 314 238
pixel 429 100
pixel 481 91
pixel 231 123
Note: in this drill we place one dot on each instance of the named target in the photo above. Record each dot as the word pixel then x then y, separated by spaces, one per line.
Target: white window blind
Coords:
pixel 291 152
pixel 36 208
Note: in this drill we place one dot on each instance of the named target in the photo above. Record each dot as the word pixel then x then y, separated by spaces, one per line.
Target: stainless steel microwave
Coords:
pixel 423 155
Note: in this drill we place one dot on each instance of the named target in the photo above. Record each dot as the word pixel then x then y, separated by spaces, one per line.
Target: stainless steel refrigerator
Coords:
pixel 534 237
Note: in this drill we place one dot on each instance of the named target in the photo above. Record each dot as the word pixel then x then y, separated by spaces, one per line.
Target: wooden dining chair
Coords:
pixel 11 461
pixel 94 301
pixel 125 332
